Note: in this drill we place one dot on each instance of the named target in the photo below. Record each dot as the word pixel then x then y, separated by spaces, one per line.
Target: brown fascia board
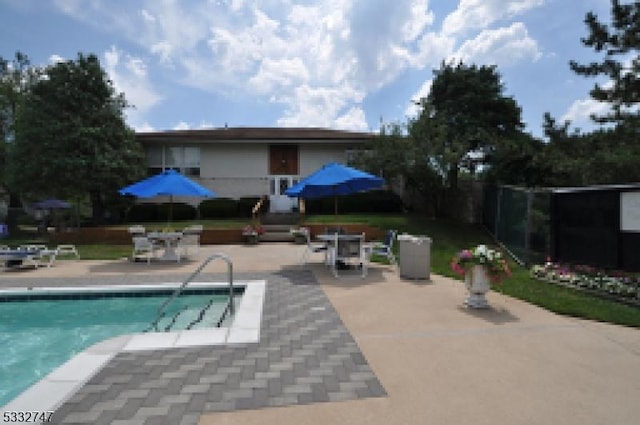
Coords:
pixel 255 134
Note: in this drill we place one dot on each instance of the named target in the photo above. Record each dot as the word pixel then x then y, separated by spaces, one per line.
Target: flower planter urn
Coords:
pixel 251 239
pixel 478 284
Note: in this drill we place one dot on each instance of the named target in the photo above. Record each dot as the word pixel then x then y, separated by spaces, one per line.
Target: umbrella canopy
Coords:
pixel 334 179
pixel 52 204
pixel 169 182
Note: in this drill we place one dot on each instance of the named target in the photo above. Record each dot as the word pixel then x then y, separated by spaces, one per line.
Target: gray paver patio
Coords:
pixel 305 355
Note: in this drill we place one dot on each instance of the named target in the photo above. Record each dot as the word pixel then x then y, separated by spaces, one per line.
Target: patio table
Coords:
pixel 342 248
pixel 170 241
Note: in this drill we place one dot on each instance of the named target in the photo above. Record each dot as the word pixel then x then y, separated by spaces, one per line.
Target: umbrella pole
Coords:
pixel 170 212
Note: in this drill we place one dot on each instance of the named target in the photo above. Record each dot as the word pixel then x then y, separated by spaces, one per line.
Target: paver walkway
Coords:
pixel 305 355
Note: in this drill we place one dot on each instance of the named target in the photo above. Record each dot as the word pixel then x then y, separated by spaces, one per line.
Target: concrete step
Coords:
pixel 277 228
pixel 276 237
pixel 291 219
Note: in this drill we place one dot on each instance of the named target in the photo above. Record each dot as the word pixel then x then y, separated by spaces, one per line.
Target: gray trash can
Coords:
pixel 415 256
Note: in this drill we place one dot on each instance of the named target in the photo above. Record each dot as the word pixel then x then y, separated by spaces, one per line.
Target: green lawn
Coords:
pixel 448 238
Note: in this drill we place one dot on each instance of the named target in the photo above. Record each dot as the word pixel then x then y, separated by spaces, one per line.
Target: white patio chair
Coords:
pixel 350 250
pixel 385 249
pixel 312 248
pixel 188 245
pixel 137 230
pixel 142 245
pixel 67 250
pixel 195 228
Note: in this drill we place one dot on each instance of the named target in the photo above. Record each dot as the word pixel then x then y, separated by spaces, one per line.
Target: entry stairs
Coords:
pixel 277 226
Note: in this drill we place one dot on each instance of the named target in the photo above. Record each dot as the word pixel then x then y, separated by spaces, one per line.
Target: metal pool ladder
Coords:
pixel 228 309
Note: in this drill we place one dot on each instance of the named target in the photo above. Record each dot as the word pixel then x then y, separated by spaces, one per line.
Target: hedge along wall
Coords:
pixel 375 201
pixel 160 212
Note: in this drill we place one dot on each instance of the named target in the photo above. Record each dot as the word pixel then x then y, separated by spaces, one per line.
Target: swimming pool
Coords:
pixel 39 330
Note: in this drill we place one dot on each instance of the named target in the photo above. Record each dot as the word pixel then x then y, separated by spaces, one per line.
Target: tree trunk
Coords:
pixel 97 207
pixel 453 175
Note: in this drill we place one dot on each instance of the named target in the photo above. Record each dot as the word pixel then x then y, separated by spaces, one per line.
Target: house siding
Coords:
pixel 234 162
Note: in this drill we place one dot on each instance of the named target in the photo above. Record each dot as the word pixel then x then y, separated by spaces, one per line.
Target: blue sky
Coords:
pixel 345 64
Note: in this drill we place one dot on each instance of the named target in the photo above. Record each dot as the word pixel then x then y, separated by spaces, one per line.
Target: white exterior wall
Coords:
pixel 314 156
pixel 234 170
pixel 234 160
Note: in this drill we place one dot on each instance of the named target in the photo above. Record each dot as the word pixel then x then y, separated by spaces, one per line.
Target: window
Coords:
pixel 185 159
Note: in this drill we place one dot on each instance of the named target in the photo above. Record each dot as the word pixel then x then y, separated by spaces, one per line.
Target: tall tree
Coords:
pixel 620 43
pixel 71 137
pixel 16 77
pixel 464 118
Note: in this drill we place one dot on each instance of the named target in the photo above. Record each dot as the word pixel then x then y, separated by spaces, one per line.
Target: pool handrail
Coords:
pixel 178 291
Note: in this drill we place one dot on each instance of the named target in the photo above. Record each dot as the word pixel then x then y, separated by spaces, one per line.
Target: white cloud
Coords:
pixel 413 109
pixel 478 14
pixel 147 16
pixel 580 111
pixel 502 46
pixel 353 119
pixel 182 126
pixel 279 74
pixel 143 127
pixel 56 58
pixel 129 76
pixel 317 60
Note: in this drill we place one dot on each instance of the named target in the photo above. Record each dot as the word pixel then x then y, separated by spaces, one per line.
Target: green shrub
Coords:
pixel 218 208
pixel 376 201
pixel 142 213
pixel 181 211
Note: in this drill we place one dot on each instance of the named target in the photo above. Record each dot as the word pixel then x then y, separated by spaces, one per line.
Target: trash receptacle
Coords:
pixel 415 256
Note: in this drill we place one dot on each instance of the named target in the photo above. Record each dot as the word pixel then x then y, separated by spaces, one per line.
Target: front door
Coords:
pixel 278 201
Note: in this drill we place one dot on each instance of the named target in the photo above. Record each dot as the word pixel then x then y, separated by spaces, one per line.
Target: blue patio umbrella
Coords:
pixel 170 183
pixel 52 204
pixel 334 179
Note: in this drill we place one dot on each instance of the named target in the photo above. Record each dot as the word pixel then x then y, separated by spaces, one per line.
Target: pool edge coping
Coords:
pixel 60 384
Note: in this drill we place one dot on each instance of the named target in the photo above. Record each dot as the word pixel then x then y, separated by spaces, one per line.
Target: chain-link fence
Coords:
pixel 519 219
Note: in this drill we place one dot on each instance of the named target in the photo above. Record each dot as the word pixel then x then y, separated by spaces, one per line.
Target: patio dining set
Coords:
pixel 343 251
pixel 166 245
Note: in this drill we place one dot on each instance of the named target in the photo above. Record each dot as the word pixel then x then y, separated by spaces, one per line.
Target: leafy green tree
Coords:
pixel 395 155
pixel 620 44
pixel 71 138
pixel 16 77
pixel 518 161
pixel 464 118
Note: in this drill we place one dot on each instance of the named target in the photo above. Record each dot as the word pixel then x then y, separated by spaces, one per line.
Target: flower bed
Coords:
pixel 618 285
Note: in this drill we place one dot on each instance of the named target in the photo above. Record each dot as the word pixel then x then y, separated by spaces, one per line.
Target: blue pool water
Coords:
pixel 36 336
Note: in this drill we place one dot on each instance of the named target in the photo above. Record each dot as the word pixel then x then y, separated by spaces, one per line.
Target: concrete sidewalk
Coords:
pixel 438 361
pixel 442 363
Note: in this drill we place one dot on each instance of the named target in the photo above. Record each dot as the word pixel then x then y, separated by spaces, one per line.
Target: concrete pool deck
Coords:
pixel 436 361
